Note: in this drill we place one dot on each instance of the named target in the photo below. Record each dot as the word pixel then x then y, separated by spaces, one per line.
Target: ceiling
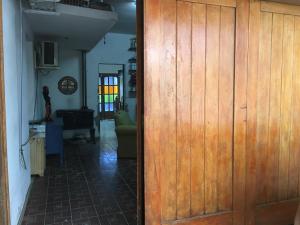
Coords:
pixel 126 10
pixel 75 27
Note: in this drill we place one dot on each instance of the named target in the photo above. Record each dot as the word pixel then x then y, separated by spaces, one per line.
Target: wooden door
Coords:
pixel 194 167
pixel 273 114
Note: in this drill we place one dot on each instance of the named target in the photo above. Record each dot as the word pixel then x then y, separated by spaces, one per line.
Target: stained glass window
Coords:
pixel 107 92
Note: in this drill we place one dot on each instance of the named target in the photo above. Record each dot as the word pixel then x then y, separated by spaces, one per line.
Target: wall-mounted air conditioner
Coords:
pixel 47 54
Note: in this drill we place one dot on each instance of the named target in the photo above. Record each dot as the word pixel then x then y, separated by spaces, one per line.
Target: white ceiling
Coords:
pixel 126 10
pixel 75 27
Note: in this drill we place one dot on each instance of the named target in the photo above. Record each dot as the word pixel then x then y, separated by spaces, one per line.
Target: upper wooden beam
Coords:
pixel 228 3
pixel 275 7
pixel 293 2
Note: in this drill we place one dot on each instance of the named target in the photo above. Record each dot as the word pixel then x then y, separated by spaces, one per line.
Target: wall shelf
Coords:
pixel 132 69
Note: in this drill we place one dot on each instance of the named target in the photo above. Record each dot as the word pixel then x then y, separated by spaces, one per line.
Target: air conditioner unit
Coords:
pixel 47 54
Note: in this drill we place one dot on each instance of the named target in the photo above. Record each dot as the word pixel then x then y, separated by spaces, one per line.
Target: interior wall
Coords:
pixel 69 65
pixel 113 49
pixel 18 68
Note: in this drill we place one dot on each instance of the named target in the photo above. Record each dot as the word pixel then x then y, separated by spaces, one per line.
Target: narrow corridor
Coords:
pixel 93 187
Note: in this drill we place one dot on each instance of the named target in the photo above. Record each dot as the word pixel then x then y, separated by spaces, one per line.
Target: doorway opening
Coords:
pixel 81 184
pixel 110 89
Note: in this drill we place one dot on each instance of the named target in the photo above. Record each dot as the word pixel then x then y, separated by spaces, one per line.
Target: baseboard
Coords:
pixel 25 204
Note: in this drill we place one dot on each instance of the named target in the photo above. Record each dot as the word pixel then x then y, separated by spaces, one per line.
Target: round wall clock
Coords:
pixel 67 85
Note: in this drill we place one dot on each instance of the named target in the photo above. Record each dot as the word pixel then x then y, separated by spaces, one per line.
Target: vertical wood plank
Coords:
pixel 254 28
pixel 211 107
pixel 240 110
pixel 263 99
pixel 152 121
pixel 274 118
pixel 286 97
pixel 296 128
pixel 226 74
pixel 197 113
pixel 295 118
pixel 168 110
pixel 184 23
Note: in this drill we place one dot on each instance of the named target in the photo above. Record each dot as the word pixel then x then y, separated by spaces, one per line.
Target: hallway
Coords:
pixel 108 138
pixel 93 187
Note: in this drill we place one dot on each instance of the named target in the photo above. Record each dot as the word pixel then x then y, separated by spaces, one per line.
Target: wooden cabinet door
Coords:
pixel 194 152
pixel 273 187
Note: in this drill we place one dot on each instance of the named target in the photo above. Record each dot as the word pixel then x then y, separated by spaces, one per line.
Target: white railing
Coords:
pixel 50 5
pixel 94 4
pixel 47 5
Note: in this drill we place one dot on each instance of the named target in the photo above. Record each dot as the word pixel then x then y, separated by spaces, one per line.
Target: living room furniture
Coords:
pixel 54 139
pixel 78 119
pixel 126 134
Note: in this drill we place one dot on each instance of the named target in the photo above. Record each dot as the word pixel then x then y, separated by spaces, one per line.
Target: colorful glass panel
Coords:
pixel 106 89
pixel 105 80
pixel 109 98
pixel 106 107
pixel 111 89
pixel 111 80
pixel 116 89
pixel 109 107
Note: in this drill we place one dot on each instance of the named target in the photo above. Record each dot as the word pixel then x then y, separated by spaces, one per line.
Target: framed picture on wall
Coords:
pixel 68 85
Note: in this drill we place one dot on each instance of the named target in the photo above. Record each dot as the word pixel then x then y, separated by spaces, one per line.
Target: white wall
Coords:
pixel 114 51
pixel 17 114
pixel 70 65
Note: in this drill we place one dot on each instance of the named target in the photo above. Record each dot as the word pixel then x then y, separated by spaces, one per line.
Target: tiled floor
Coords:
pixel 93 187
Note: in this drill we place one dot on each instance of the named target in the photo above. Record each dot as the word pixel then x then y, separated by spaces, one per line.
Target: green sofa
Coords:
pixel 126 134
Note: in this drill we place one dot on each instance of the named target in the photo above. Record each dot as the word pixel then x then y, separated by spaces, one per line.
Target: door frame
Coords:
pixel 123 77
pixel 140 112
pixel 103 114
pixel 4 189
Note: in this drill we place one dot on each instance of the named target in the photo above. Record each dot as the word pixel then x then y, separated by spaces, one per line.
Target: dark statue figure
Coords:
pixel 47 104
